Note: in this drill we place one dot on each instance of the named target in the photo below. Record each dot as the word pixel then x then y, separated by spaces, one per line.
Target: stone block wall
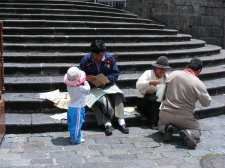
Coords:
pixel 203 19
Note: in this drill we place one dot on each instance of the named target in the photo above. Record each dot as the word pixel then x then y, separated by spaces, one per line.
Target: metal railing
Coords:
pixel 2 88
pixel 113 3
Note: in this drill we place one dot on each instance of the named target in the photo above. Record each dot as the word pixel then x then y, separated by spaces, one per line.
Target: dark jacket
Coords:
pixel 108 67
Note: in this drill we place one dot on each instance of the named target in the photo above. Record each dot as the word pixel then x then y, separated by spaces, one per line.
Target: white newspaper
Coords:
pixel 61 99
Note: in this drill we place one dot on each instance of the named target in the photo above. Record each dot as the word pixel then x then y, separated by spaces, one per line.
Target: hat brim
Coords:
pixel 76 82
pixel 161 66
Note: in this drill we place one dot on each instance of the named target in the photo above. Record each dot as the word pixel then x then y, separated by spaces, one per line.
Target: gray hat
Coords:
pixel 162 62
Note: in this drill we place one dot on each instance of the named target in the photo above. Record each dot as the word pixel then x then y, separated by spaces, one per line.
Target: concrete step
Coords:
pixel 60 23
pixel 88 38
pixel 83 6
pixel 44 123
pixel 48 83
pixel 85 31
pixel 83 2
pixel 40 57
pixel 64 11
pixel 64 17
pixel 25 101
pixel 111 47
pixel 45 69
pixel 38 122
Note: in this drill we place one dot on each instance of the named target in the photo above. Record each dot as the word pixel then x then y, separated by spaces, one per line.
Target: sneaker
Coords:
pixel 186 136
pixel 169 130
pixel 82 140
pixel 78 142
pixel 108 130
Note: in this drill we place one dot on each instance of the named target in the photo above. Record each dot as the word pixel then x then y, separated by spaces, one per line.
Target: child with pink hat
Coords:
pixel 77 87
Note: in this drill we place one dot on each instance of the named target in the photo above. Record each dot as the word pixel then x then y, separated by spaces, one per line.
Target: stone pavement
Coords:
pixel 142 148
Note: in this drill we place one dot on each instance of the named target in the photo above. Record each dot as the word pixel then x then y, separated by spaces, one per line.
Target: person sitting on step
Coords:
pixel 109 105
pixel 184 89
pixel 146 85
pixel 77 87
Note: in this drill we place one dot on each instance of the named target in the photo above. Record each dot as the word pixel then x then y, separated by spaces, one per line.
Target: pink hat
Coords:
pixel 74 77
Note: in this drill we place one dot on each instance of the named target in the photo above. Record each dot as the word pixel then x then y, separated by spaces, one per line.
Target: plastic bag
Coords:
pixel 160 93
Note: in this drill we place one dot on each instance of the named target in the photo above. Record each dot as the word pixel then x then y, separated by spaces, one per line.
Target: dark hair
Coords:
pixel 195 64
pixel 97 46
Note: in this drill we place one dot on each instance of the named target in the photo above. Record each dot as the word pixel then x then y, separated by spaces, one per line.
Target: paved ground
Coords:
pixel 142 148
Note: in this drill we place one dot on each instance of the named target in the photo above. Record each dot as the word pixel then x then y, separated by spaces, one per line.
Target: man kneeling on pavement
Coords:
pixel 184 89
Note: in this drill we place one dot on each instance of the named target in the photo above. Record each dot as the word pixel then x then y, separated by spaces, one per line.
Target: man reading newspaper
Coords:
pixel 99 64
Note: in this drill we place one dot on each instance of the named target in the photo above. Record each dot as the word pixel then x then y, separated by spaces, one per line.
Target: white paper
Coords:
pixel 51 95
pixel 60 116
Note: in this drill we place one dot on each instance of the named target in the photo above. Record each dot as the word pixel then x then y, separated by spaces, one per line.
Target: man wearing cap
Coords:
pixel 96 62
pixel 146 85
pixel 184 89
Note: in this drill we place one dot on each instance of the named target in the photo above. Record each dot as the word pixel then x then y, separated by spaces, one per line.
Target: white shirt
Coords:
pixel 77 94
pixel 143 85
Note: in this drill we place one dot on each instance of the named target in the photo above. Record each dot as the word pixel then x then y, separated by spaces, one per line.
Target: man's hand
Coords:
pixel 90 78
pixel 154 82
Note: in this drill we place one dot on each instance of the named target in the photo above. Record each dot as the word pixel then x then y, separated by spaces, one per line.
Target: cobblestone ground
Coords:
pixel 142 148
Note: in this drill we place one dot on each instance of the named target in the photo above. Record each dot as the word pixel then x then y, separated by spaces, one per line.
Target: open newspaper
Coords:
pixel 100 80
pixel 61 99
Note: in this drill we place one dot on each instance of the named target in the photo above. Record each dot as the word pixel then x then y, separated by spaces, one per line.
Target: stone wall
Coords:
pixel 203 19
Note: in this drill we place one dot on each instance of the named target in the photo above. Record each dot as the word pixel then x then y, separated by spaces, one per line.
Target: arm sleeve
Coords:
pixel 85 88
pixel 203 96
pixel 113 76
pixel 83 64
pixel 143 82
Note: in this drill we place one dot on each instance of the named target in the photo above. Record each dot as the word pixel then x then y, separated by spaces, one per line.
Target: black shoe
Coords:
pixel 190 142
pixel 124 129
pixel 169 130
pixel 108 130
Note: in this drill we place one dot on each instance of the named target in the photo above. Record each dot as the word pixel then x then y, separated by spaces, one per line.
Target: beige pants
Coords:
pixel 116 104
pixel 181 120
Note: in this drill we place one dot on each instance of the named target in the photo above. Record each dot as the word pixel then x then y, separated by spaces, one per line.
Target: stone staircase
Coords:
pixel 42 38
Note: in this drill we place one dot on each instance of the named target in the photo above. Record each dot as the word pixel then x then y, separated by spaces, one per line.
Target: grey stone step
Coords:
pixel 121 56
pixel 84 6
pixel 30 103
pixel 60 23
pixel 89 38
pixel 45 69
pixel 82 2
pixel 47 83
pixel 85 31
pixel 64 11
pixel 38 122
pixel 26 101
pixel 111 47
pixel 64 17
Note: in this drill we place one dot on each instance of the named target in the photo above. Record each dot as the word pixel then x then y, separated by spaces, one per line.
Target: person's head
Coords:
pixel 98 49
pixel 161 66
pixel 74 77
pixel 196 65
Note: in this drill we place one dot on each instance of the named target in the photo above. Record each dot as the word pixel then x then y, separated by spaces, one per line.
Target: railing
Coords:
pixel 2 88
pixel 113 3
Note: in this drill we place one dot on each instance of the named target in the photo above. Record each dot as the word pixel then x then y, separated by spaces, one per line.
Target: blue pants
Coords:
pixel 75 119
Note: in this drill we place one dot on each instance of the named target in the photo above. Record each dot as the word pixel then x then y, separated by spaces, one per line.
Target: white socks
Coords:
pixel 121 121
pixel 108 124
